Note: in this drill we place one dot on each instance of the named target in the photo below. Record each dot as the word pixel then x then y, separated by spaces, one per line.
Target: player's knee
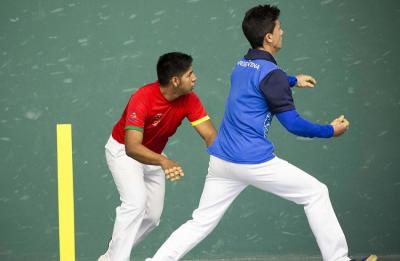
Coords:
pixel 318 192
pixel 322 191
pixel 133 207
pixel 204 220
pixel 154 223
pixel 154 218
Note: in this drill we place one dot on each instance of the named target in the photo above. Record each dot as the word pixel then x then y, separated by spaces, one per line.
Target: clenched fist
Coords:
pixel 174 173
pixel 340 125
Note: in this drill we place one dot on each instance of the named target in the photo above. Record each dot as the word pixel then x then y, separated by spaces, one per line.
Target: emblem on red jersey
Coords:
pixel 157 119
pixel 133 117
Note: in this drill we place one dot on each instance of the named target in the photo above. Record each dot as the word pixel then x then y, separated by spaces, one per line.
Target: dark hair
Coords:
pixel 172 64
pixel 259 21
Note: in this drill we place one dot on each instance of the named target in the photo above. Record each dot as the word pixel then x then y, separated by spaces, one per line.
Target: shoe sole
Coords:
pixel 372 258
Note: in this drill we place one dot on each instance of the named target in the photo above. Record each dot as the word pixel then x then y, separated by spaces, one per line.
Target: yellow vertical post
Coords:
pixel 65 193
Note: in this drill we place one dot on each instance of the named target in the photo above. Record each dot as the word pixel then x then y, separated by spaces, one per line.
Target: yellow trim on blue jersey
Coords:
pixel 205 118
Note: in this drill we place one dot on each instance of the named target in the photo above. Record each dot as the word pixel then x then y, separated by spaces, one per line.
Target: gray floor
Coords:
pixel 294 258
pixel 269 258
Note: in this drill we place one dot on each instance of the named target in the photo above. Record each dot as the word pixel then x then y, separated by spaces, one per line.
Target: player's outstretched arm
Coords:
pixel 296 125
pixel 206 131
pixel 136 150
pixel 299 126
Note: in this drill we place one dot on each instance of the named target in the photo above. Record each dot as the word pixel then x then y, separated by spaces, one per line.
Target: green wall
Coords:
pixel 78 61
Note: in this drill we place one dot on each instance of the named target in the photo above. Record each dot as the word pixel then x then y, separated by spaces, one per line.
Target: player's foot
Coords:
pixel 368 258
pixel 102 258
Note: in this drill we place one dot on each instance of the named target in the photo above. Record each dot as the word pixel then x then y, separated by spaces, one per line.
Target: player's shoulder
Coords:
pixel 147 89
pixel 144 94
pixel 278 72
pixel 150 87
pixel 276 75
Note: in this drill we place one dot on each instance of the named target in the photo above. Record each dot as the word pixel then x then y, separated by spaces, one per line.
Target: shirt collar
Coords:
pixel 254 54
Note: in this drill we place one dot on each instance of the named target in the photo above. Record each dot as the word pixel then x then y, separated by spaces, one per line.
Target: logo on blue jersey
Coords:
pixel 267 124
pixel 248 64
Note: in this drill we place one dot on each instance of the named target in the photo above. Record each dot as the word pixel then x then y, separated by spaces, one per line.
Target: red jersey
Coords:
pixel 148 111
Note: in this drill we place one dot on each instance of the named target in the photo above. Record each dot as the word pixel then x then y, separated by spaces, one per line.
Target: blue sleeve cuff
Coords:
pixel 330 131
pixel 292 80
pixel 295 124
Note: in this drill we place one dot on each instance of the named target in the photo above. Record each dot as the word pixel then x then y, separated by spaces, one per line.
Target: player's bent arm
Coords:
pixel 136 150
pixel 296 125
pixel 207 131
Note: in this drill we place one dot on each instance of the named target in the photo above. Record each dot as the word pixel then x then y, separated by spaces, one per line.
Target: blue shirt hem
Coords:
pixel 270 157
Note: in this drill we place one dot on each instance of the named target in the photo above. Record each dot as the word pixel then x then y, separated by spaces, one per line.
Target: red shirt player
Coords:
pixel 134 150
pixel 148 111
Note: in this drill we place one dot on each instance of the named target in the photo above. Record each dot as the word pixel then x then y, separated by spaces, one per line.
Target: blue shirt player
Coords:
pixel 243 155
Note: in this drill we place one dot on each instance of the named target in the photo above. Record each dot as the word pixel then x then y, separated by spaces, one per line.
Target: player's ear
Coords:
pixel 268 38
pixel 175 81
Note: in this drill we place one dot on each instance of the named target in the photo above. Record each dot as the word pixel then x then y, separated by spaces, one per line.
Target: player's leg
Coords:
pixel 220 189
pixel 128 177
pixel 154 178
pixel 287 181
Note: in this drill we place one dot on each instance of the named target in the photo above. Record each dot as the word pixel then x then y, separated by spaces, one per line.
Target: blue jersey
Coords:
pixel 243 135
pixel 259 90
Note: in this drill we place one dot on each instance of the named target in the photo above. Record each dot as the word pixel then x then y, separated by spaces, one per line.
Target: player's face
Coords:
pixel 277 35
pixel 187 81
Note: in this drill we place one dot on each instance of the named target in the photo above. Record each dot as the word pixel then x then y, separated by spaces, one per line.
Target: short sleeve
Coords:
pixel 136 112
pixel 196 113
pixel 276 89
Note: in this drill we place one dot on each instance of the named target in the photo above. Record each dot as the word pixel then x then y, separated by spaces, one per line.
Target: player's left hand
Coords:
pixel 305 81
pixel 174 173
pixel 340 126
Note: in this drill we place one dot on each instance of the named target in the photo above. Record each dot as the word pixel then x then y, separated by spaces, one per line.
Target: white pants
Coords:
pixel 225 181
pixel 141 188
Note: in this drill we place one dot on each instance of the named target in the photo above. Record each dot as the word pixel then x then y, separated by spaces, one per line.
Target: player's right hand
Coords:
pixel 340 125
pixel 305 81
pixel 173 171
